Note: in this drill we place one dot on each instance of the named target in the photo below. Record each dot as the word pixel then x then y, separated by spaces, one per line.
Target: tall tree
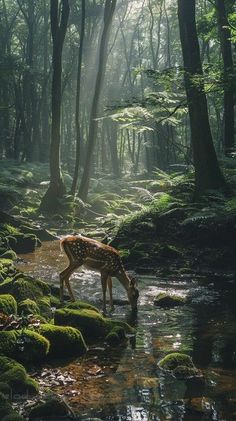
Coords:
pixel 77 104
pixel 226 50
pixel 59 19
pixel 93 124
pixel 207 172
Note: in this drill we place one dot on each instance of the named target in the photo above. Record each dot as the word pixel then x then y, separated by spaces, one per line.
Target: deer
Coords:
pixel 83 251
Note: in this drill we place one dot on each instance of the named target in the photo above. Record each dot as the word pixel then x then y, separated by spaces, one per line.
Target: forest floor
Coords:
pixel 162 234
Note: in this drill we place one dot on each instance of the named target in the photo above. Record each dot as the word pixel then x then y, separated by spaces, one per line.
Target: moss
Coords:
pixel 116 336
pixel 44 305
pixel 164 299
pixel 91 323
pixel 5 407
pixel 28 307
pixel 9 255
pixel 8 304
pixel 24 287
pixel 13 417
pixel 27 346
pixel 174 360
pixel 55 301
pixel 23 243
pixel 183 372
pixel 64 341
pixel 54 407
pixel 14 375
pixel 5 389
pixel 79 305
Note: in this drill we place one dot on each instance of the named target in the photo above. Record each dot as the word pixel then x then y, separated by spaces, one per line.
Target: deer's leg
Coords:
pixel 109 284
pixel 104 277
pixel 64 278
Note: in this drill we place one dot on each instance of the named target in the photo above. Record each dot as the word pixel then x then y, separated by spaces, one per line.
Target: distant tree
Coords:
pixel 229 91
pixel 59 19
pixel 208 175
pixel 93 124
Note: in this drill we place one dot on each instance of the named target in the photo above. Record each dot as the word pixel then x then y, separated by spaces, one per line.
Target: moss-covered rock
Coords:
pixel 79 305
pixel 9 255
pixel 5 407
pixel 184 372
pixel 8 304
pixel 172 361
pixel 28 307
pixel 44 305
pixel 165 299
pixel 92 324
pixel 27 346
pixel 116 336
pixel 23 243
pixel 24 287
pixel 13 416
pixel 64 341
pixel 54 407
pixel 14 376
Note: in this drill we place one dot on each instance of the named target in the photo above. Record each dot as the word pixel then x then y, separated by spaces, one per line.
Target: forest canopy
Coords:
pixel 107 88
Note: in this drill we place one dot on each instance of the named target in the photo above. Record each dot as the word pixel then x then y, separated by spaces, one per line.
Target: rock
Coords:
pixel 9 254
pixel 91 323
pixel 14 375
pixel 23 243
pixel 164 299
pixel 28 306
pixel 5 407
pixel 44 305
pixel 79 305
pixel 27 346
pixel 116 336
pixel 64 341
pixel 8 304
pixel 53 407
pixel 183 372
pixel 24 287
pixel 171 361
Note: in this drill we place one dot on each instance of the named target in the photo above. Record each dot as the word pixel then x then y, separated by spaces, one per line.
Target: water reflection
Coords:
pixel 129 385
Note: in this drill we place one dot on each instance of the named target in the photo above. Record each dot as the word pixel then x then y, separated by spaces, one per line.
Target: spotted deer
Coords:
pixel 99 257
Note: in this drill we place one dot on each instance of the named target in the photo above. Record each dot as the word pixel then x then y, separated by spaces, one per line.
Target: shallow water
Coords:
pixel 125 383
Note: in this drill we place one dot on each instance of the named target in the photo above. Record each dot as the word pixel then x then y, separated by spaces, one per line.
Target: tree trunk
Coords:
pixel 93 125
pixel 58 28
pixel 208 175
pixel 225 42
pixel 77 105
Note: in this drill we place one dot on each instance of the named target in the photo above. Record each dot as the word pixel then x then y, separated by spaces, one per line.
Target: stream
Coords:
pixel 125 383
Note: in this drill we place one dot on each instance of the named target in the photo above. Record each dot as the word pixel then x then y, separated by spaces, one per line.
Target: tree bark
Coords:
pixel 58 29
pixel 208 175
pixel 226 50
pixel 77 105
pixel 93 126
